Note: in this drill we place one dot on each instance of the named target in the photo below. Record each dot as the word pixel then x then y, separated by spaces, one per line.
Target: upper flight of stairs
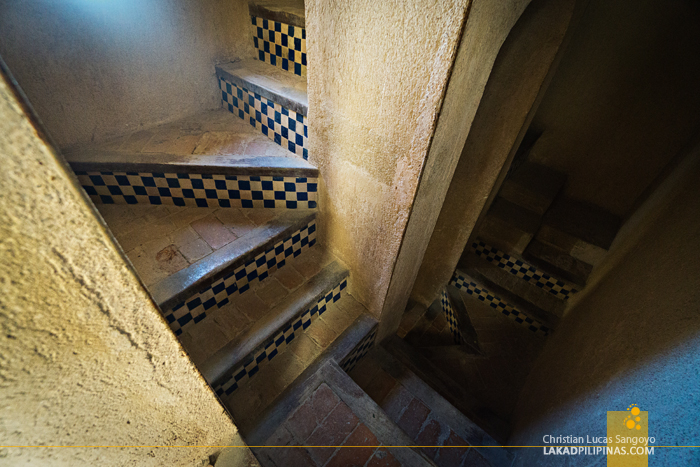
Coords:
pixel 535 248
pixel 217 212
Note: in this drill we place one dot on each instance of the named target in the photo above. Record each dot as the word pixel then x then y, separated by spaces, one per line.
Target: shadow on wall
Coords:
pixel 634 339
pixel 93 69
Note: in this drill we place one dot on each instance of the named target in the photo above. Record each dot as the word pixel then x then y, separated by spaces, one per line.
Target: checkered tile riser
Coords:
pixel 451 317
pixel 199 190
pixel 194 309
pixel 243 372
pixel 360 350
pixel 285 127
pixel 525 271
pixel 280 44
pixel 492 300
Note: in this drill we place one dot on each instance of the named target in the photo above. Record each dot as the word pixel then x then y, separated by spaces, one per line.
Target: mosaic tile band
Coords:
pixel 525 271
pixel 243 372
pixel 451 316
pixel 285 127
pixel 465 283
pixel 199 190
pixel 360 350
pixel 194 309
pixel 280 44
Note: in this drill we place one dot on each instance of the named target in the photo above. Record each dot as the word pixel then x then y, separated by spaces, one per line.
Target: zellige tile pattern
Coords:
pixel 199 190
pixel 280 44
pixel 194 309
pixel 360 350
pixel 525 271
pixel 465 283
pixel 451 316
pixel 285 127
pixel 244 371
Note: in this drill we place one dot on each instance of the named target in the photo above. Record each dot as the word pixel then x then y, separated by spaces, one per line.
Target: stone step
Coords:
pixel 233 367
pixel 533 187
pixel 317 417
pixel 428 418
pixel 189 295
pixel 334 423
pixel 285 89
pixel 559 262
pixel 456 394
pixel 582 224
pixel 283 11
pixel 212 144
pixel 508 226
pixel 529 298
pixel 553 284
pixel 501 301
pixel 270 99
pixel 279 33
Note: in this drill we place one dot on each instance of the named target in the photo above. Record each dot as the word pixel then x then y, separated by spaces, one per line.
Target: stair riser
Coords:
pixel 524 271
pixel 451 316
pixel 360 350
pixel 496 303
pixel 237 280
pixel 280 44
pixel 200 190
pixel 285 127
pixel 242 373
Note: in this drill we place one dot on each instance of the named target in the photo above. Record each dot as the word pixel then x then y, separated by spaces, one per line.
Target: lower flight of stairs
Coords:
pixel 372 411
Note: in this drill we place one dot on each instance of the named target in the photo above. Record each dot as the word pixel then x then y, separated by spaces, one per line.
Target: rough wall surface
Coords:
pixel 377 74
pixel 85 357
pixel 634 339
pixel 94 69
pixel 523 64
pixel 488 24
pixel 624 100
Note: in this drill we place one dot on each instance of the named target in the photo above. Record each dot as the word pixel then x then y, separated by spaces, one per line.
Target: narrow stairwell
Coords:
pixel 533 251
pixel 218 214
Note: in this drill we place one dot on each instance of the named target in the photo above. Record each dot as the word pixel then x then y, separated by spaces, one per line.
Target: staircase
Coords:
pixel 476 344
pixel 217 212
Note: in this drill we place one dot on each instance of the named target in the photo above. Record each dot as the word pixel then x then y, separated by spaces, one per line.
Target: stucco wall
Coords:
pixel 85 357
pixel 93 69
pixel 624 100
pixel 378 75
pixel 634 339
pixel 524 63
pixel 377 72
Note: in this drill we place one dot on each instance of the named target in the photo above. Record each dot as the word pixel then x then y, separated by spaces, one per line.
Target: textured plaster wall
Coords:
pixel 624 100
pixel 634 339
pixel 517 81
pixel 377 73
pixel 96 68
pixel 85 357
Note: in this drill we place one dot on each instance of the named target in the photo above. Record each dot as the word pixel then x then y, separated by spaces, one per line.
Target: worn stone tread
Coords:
pixel 560 263
pixel 466 428
pixel 533 187
pixel 257 431
pixel 527 297
pixel 210 142
pixel 183 283
pixel 584 221
pixel 508 226
pixel 237 349
pixel 283 11
pixel 459 396
pixel 271 82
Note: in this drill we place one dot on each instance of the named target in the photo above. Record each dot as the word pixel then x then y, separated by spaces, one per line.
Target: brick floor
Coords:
pixel 161 240
pixel 331 434
pixel 435 436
